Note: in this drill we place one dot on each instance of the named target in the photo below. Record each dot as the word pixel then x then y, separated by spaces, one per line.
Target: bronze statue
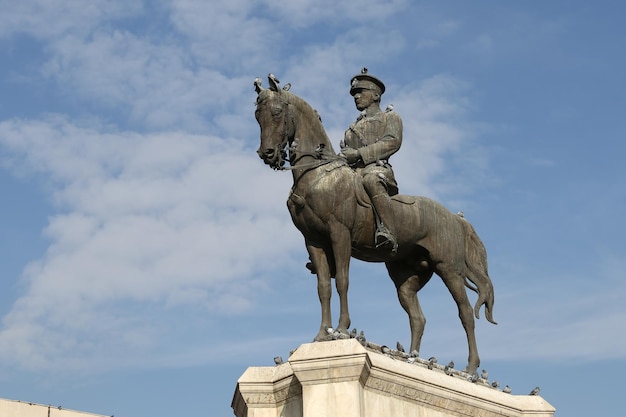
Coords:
pixel 367 146
pixel 329 205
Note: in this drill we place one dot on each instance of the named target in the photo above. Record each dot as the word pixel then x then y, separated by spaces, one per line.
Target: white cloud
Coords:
pixel 51 18
pixel 166 219
pixel 227 34
pixel 566 316
pixel 171 221
pixel 302 13
pixel 152 85
pixel 437 138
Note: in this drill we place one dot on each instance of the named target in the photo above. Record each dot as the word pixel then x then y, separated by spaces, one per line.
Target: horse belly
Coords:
pixel 363 232
pixel 407 227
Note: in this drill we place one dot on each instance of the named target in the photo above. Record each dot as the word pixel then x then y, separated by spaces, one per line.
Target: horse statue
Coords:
pixel 329 206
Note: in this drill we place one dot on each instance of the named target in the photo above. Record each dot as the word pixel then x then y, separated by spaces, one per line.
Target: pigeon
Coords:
pixel 329 329
pixel 353 333
pixel 431 362
pixel 399 347
pixel 414 354
pixel 273 77
pixel 258 82
pixel 484 375
pixel 410 359
pixel 287 86
pixel 473 377
pixel 449 367
pixel 385 349
pixel 361 338
pixel 389 108
pixel 535 391
pixel 507 390
pixel 495 384
pixel 278 360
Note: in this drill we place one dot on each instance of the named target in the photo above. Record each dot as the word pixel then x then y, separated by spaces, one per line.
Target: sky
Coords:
pixel 147 257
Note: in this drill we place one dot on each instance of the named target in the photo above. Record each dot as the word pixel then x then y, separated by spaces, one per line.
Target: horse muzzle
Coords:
pixel 267 155
pixel 271 157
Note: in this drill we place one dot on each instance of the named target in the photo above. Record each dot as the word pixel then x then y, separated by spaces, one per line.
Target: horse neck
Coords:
pixel 309 131
pixel 309 139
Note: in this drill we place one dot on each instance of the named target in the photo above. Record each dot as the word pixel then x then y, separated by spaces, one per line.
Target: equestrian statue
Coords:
pixel 347 205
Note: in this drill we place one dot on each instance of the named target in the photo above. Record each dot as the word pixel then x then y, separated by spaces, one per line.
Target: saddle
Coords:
pixel 364 200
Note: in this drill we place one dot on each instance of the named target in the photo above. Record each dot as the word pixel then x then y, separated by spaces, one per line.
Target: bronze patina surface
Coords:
pixel 333 204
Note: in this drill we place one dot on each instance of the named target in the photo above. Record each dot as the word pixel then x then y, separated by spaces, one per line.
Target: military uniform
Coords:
pixel 376 135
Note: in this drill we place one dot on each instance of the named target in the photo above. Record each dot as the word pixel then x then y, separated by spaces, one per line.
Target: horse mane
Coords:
pixel 308 114
pixel 312 115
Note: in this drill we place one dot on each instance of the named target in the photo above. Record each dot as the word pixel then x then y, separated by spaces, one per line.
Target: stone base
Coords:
pixel 14 408
pixel 343 379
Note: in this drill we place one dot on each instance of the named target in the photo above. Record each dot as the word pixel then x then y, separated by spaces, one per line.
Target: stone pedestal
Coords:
pixel 343 379
pixel 14 408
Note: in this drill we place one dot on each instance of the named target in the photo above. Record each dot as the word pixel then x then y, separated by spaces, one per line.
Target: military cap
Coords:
pixel 366 81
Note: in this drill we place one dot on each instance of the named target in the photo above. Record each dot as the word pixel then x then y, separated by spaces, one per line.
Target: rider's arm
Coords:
pixel 388 144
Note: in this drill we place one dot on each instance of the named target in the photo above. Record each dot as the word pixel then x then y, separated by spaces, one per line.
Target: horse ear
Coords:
pixel 273 82
pixel 257 85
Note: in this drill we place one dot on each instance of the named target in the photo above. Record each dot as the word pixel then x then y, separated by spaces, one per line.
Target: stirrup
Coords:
pixel 385 238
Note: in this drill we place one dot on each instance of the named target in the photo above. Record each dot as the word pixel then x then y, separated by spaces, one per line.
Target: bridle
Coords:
pixel 318 155
pixel 291 153
pixel 284 136
pixel 287 151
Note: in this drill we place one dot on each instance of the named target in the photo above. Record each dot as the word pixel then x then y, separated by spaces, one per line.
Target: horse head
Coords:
pixel 276 121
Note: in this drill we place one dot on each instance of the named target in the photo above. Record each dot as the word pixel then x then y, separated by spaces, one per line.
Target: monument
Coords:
pixel 348 205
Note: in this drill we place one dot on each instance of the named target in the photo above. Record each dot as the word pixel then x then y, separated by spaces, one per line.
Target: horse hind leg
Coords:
pixel 455 282
pixel 408 282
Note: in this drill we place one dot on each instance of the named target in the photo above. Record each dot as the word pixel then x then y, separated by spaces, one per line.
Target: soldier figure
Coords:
pixel 368 143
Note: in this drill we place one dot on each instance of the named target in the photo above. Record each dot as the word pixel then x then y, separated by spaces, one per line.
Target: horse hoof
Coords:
pixel 323 338
pixel 470 369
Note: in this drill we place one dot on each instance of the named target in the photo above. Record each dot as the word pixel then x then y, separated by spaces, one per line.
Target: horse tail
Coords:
pixel 476 271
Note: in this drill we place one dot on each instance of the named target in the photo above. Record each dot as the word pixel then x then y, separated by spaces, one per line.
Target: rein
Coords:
pixel 316 164
pixel 321 159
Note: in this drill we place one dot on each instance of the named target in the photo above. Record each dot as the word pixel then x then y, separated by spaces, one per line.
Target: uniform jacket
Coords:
pixel 377 137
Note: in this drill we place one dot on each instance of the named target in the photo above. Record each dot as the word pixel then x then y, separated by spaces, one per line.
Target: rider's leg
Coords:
pixel 376 187
pixel 385 235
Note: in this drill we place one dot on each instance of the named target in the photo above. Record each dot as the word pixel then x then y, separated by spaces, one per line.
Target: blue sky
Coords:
pixel 147 257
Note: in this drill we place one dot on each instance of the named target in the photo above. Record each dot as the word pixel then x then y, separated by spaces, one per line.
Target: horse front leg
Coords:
pixel 324 290
pixel 342 251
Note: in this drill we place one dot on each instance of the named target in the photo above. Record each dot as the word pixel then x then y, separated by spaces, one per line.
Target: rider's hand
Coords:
pixel 352 155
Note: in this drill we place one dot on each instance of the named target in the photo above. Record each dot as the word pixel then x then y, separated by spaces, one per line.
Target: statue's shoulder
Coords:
pixel 390 112
pixel 392 117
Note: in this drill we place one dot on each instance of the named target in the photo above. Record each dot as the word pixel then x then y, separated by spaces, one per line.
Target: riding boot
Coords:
pixel 385 237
